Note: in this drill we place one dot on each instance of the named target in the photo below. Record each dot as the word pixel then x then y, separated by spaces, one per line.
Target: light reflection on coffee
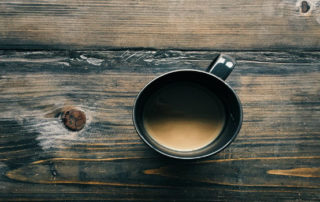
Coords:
pixel 184 116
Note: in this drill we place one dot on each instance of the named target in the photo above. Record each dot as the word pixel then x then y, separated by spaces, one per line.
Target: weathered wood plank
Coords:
pixel 275 155
pixel 187 24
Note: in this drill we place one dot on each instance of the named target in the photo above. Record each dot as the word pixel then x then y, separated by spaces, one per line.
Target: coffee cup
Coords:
pixel 189 114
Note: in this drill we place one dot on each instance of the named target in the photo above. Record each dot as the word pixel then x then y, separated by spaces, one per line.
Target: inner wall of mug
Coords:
pixel 226 95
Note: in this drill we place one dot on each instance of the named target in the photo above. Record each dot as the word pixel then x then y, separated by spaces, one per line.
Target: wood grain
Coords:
pixel 184 24
pixel 300 172
pixel 277 153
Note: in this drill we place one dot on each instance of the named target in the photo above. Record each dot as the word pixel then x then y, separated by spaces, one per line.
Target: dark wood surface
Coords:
pixel 165 24
pixel 275 157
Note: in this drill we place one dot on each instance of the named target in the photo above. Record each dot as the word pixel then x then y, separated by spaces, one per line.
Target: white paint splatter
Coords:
pixel 38 116
pixel 83 57
pixel 52 133
pixel 93 61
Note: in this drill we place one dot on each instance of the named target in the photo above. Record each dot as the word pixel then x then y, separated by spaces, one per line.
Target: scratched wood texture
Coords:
pixel 173 24
pixel 276 156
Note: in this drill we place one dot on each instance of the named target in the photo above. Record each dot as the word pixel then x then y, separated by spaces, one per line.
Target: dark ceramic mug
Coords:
pixel 213 80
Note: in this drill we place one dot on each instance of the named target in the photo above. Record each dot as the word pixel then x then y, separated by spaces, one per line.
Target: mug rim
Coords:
pixel 188 157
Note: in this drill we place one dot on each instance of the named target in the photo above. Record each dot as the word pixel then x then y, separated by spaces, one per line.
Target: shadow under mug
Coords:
pixel 213 80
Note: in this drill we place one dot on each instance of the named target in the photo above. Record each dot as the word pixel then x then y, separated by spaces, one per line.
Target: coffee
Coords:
pixel 184 116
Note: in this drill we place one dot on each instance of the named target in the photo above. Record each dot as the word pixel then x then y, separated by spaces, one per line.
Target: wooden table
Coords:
pixel 96 56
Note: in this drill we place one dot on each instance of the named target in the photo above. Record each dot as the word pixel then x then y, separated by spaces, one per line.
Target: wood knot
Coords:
pixel 305 7
pixel 73 119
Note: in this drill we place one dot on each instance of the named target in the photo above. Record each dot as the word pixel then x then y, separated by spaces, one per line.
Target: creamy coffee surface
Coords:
pixel 184 116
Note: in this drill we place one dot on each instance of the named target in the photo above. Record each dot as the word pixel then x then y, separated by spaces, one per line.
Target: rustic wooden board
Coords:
pixel 275 157
pixel 177 24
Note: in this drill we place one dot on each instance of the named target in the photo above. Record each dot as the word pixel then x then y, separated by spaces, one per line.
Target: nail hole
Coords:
pixel 305 7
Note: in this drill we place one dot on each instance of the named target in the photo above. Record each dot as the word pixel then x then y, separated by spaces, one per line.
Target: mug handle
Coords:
pixel 222 66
